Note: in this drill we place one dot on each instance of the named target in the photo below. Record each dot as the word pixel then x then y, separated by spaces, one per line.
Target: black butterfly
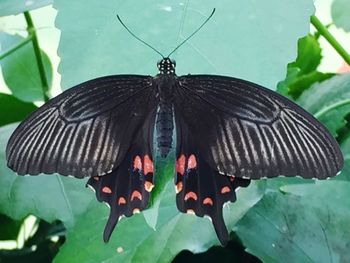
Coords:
pixel 228 132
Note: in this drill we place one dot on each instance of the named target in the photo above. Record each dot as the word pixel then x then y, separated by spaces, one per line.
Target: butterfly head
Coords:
pixel 166 66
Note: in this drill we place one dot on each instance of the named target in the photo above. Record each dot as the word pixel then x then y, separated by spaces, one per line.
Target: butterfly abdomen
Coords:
pixel 164 126
pixel 165 82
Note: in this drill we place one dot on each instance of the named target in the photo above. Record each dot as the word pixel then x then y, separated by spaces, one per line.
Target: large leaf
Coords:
pixel 309 55
pixel 302 73
pixel 134 241
pixel 20 69
pixel 246 39
pixel 309 223
pixel 50 197
pixel 13 109
pixel 303 82
pixel 345 147
pixel 340 14
pixel 14 7
pixel 329 101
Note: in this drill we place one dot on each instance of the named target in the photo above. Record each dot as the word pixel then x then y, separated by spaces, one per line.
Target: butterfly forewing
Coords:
pixel 86 130
pixel 248 131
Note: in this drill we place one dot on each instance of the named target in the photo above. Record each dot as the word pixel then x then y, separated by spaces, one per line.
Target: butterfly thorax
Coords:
pixel 166 66
pixel 165 82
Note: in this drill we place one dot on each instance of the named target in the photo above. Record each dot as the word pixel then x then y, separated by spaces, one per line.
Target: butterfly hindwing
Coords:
pixel 200 189
pixel 251 132
pixel 127 188
pixel 85 131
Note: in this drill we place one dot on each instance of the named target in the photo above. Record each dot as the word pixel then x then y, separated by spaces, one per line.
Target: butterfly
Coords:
pixel 228 132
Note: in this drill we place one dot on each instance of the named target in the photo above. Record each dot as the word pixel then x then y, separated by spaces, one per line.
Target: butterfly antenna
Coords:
pixel 139 39
pixel 199 28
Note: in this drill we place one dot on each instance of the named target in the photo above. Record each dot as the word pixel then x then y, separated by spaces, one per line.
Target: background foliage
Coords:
pixel 279 220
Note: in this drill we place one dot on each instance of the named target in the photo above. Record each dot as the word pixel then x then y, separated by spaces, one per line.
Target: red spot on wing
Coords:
pixel 121 201
pixel 208 201
pixel 232 178
pixel 137 163
pixel 96 178
pixel 180 164
pixel 191 195
pixel 106 190
pixel 136 194
pixel 225 190
pixel 147 165
pixel 192 162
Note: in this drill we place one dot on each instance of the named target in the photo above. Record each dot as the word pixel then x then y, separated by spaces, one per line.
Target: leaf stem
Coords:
pixel 39 59
pixel 18 46
pixel 330 38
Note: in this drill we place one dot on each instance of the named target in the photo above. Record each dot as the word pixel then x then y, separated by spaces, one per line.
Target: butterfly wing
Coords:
pixel 85 131
pixel 127 188
pixel 227 126
pixel 248 131
pixel 200 189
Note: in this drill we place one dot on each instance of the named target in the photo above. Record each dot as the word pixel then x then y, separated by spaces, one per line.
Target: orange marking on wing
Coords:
pixel 180 164
pixel 106 190
pixel 148 186
pixel 190 211
pixel 178 187
pixel 208 201
pixel 96 178
pixel 190 195
pixel 121 201
pixel 225 190
pixel 147 165
pixel 192 162
pixel 136 211
pixel 137 163
pixel 136 194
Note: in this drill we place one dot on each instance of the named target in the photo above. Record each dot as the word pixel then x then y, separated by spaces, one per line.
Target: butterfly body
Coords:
pixel 165 82
pixel 228 131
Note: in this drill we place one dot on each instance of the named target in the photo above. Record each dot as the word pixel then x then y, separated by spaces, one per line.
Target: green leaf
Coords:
pixel 20 69
pixel 309 223
pixel 240 40
pixel 303 82
pixel 329 101
pixel 302 73
pixel 165 169
pixel 50 197
pixel 340 14
pixel 283 86
pixel 134 241
pixel 14 7
pixel 13 109
pixel 9 228
pixel 345 147
pixel 309 55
